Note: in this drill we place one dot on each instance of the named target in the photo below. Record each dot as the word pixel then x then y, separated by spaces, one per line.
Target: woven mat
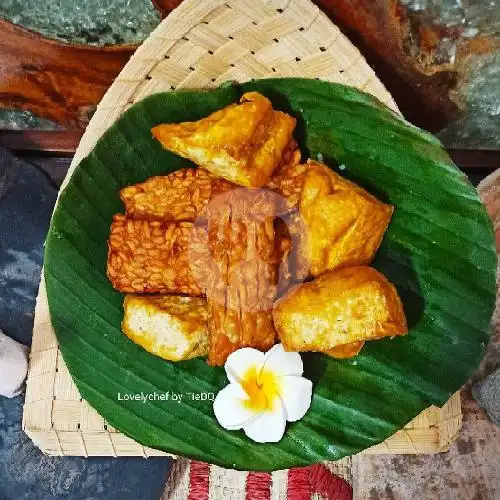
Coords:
pixel 202 44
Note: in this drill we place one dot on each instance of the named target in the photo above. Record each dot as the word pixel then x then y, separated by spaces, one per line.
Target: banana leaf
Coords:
pixel 438 251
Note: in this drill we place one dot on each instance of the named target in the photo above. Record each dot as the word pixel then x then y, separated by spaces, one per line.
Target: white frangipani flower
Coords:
pixel 265 391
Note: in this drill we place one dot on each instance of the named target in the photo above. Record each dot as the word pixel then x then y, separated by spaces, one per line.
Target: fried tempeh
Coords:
pixel 243 276
pixel 288 178
pixel 173 327
pixel 339 308
pixel 152 257
pixel 181 195
pixel 242 143
pixel 230 329
pixel 290 230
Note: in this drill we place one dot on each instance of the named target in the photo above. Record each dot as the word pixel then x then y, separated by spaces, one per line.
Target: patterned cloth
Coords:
pixel 193 480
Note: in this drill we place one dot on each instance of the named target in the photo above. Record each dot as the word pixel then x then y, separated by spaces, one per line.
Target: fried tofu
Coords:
pixel 242 278
pixel 345 351
pixel 153 257
pixel 181 195
pixel 344 224
pixel 170 326
pixel 340 307
pixel 242 143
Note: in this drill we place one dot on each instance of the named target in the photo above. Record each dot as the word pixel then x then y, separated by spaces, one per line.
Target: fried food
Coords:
pixel 340 307
pixel 284 256
pixel 152 257
pixel 344 224
pixel 288 179
pixel 294 264
pixel 242 143
pixel 242 278
pixel 171 326
pixel 181 195
pixel 232 328
pixel 345 351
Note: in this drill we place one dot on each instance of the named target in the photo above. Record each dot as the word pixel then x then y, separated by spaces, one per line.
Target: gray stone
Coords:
pixel 13 366
pixel 487 395
pixel 18 119
pixel 94 22
pixel 479 126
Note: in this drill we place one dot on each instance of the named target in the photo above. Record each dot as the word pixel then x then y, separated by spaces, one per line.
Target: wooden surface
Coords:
pixel 165 6
pixel 476 163
pixel 53 141
pixel 381 30
pixel 64 82
pixel 58 81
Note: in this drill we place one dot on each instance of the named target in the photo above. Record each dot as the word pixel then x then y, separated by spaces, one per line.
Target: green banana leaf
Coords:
pixel 438 251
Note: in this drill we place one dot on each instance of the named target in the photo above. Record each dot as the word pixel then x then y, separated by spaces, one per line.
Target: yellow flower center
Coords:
pixel 262 389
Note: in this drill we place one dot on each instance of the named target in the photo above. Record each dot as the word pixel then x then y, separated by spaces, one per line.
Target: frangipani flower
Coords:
pixel 265 391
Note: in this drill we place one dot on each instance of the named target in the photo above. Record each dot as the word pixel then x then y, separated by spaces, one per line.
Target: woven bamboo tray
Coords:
pixel 201 45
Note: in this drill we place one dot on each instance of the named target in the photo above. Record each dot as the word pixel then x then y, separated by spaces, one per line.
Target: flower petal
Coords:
pixel 238 363
pixel 229 409
pixel 296 393
pixel 268 427
pixel 282 363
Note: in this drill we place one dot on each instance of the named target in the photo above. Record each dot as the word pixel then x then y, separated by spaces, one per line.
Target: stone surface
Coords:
pixel 26 202
pixel 470 470
pixel 466 35
pixel 17 119
pixel 95 22
pixel 487 394
pixel 479 126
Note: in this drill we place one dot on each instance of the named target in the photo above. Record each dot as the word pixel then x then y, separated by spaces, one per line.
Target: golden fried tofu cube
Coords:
pixel 344 224
pixel 352 304
pixel 153 257
pixel 181 195
pixel 242 143
pixel 170 326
